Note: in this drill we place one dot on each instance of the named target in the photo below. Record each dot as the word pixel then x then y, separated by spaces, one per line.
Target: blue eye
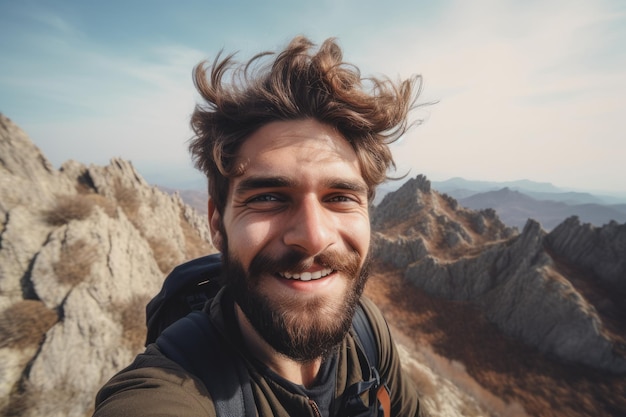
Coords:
pixel 263 197
pixel 265 201
pixel 340 199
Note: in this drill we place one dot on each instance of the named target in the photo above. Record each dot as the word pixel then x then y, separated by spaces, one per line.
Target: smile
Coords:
pixel 307 276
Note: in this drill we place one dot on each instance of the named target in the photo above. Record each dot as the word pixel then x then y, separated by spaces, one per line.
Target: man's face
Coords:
pixel 295 236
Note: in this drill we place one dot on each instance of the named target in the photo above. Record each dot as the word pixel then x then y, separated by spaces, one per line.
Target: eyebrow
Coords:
pixel 255 183
pixel 347 185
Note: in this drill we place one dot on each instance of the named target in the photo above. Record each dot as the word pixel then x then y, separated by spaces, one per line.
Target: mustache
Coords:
pixel 296 262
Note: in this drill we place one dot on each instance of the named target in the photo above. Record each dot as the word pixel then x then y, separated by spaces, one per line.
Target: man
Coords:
pixel 293 151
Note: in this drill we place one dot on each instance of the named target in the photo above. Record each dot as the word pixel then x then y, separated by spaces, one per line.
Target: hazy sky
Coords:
pixel 532 89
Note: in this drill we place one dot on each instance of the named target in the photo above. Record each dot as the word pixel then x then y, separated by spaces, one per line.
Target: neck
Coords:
pixel 293 371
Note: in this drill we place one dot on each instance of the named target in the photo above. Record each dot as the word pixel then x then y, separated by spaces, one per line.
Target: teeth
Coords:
pixel 306 276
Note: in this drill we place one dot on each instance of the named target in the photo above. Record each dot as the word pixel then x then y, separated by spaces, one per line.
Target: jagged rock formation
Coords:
pixel 81 251
pixel 522 282
pixel 601 251
pixel 415 221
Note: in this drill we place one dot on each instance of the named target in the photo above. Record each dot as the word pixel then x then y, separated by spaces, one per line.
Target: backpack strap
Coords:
pixel 365 335
pixel 379 401
pixel 195 344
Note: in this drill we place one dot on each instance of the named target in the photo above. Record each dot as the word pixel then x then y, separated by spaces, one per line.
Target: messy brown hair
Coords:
pixel 299 83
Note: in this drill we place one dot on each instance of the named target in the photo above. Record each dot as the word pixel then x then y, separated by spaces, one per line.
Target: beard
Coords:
pixel 301 328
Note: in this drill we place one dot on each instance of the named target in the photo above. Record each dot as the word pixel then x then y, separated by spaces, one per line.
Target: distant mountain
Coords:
pixel 461 188
pixel 458 183
pixel 568 197
pixel 515 208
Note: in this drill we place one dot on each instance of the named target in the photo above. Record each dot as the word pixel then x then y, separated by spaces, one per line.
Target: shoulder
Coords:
pixel 153 385
pixel 373 313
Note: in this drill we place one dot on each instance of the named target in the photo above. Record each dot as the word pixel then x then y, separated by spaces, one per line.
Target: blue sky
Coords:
pixel 524 89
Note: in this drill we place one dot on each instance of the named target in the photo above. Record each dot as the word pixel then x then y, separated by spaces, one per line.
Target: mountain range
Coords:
pixel 460 187
pixel 516 207
pixel 490 319
pixel 517 201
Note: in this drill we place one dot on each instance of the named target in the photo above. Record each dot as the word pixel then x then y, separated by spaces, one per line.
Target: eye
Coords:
pixel 263 198
pixel 344 201
pixel 265 202
pixel 341 199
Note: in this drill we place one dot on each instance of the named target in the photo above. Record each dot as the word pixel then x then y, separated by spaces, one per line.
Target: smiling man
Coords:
pixel 295 235
pixel 293 150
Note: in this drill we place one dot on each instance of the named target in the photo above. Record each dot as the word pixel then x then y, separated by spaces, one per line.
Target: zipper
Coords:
pixel 316 409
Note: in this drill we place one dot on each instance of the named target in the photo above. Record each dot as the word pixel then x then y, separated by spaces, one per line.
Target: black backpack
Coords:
pixel 174 317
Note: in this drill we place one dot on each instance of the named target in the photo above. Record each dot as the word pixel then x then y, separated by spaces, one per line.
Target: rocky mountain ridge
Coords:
pixel 81 251
pixel 521 282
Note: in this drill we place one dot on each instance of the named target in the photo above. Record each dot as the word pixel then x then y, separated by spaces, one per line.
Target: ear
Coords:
pixel 215 220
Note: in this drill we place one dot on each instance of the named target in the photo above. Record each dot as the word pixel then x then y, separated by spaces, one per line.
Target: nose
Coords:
pixel 310 228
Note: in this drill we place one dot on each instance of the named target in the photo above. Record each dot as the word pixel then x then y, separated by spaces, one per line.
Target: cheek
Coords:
pixel 245 241
pixel 357 234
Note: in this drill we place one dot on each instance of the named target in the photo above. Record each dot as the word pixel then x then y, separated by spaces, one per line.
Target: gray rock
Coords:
pixel 93 244
pixel 601 250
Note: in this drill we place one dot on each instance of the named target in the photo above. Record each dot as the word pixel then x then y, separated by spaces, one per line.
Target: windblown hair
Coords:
pixel 297 84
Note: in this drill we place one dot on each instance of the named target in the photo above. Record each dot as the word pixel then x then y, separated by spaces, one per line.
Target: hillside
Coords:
pixel 491 321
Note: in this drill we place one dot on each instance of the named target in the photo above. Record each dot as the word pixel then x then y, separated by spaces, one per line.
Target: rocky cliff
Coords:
pixel 82 249
pixel 562 292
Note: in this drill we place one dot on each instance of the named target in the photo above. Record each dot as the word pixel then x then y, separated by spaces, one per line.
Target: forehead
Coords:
pixel 297 145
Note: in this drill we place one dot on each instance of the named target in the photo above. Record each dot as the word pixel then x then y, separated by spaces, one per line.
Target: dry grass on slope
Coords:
pixel 132 315
pixel 75 262
pixel 67 208
pixel 13 332
pixel 503 366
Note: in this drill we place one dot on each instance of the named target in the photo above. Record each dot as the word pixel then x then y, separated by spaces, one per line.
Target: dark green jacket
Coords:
pixel 153 385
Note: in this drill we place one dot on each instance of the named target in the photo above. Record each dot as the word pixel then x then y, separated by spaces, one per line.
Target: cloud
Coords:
pixel 91 102
pixel 524 90
pixel 517 96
